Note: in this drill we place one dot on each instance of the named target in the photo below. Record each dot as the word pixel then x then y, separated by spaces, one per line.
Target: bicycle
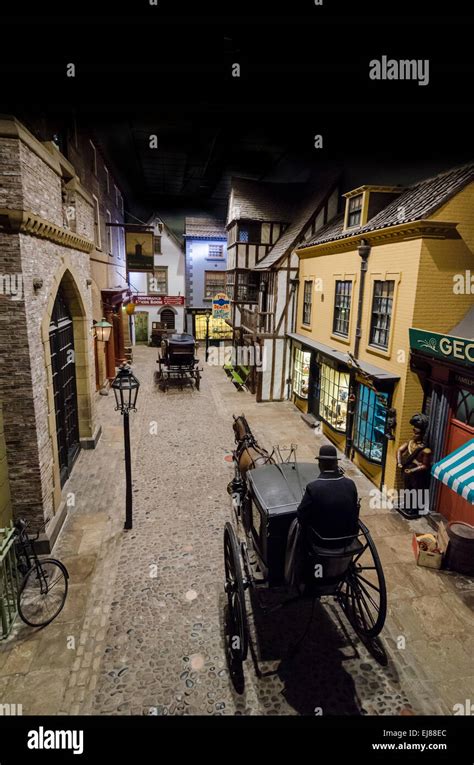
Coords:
pixel 43 589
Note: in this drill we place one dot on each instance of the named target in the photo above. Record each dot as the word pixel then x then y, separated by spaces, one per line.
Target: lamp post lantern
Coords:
pixel 125 387
pixel 207 314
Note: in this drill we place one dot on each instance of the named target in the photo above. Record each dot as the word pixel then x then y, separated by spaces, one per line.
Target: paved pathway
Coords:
pixel 142 629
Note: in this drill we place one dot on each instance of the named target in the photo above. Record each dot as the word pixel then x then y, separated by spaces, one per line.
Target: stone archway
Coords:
pixel 66 284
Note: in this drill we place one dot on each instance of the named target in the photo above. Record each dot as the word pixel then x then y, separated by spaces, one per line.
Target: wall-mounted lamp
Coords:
pixel 101 330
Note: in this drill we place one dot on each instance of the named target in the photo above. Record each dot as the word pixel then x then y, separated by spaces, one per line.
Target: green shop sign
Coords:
pixel 456 349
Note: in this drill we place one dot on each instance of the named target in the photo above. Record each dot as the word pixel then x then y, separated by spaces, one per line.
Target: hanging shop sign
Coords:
pixel 458 350
pixel 220 306
pixel 139 247
pixel 158 300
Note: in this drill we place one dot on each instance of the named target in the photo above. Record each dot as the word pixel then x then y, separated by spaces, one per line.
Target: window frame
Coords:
pixel 335 330
pixel 390 299
pixel 153 275
pixel 109 233
pixel 97 236
pixel 306 302
pixel 252 227
pixel 358 210
pixel 208 273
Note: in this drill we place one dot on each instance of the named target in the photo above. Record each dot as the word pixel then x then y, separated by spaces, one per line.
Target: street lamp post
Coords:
pixel 125 387
pixel 208 316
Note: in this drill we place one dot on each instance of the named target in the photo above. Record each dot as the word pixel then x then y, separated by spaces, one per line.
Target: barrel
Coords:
pixel 461 547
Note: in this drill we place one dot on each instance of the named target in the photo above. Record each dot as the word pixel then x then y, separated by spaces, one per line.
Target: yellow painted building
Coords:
pixel 386 265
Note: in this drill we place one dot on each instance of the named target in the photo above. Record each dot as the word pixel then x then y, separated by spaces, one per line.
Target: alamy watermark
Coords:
pixel 408 499
pixel 386 68
pixel 237 356
pixel 11 285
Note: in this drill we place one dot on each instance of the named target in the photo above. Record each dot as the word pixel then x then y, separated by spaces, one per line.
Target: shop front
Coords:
pixel 444 366
pixel 219 330
pixel 351 401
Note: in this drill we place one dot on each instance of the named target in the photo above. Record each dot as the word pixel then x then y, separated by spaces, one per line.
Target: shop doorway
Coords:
pixel 61 339
pixel 141 326
pixel 460 431
pixel 167 317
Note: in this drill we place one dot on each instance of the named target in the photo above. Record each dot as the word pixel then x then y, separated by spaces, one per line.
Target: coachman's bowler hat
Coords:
pixel 327 452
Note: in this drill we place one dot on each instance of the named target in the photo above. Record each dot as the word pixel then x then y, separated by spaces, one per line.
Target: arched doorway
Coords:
pixel 63 368
pixel 168 318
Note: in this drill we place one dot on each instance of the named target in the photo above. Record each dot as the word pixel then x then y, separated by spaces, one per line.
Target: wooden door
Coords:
pixel 141 326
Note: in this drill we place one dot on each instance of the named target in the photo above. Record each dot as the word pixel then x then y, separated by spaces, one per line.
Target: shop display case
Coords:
pixel 334 395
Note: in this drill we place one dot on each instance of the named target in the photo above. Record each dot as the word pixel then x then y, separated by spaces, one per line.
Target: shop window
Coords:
pixel 214 282
pixel 301 373
pixel 369 423
pixel 382 305
pixel 354 211
pixel 342 308
pixel 307 302
pixel 334 392
pixel 218 328
pixel 249 232
pixel 157 282
pixel 215 251
pixel 464 407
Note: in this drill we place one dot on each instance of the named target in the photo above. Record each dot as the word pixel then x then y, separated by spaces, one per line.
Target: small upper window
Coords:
pixel 354 211
pixel 249 232
pixel 307 302
pixel 216 251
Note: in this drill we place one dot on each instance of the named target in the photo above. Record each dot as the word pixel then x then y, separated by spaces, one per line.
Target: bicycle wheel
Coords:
pixel 43 592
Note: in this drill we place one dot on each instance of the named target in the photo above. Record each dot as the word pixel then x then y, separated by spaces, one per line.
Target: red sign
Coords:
pixel 158 299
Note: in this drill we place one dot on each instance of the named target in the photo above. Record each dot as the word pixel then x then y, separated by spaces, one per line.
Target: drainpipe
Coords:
pixel 364 252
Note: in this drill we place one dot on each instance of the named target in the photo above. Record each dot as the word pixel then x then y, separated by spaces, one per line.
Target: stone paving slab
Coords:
pixel 142 631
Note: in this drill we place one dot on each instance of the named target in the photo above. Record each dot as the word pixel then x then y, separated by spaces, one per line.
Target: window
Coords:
pixel 464 407
pixel 307 301
pixel 342 308
pixel 369 422
pixel 218 328
pixel 334 392
pixel 119 199
pixel 249 232
pixel 247 287
pixel 96 223
pixel 214 282
pixel 301 373
pixel 157 244
pixel 382 304
pixel 157 283
pixel 354 211
pixel 216 251
pixel 93 166
pixel 120 241
pixel 108 219
pixel 107 180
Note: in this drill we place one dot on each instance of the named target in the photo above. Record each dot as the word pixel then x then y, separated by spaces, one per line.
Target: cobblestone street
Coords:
pixel 146 607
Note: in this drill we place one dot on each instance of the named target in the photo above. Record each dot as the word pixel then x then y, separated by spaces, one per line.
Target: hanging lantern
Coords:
pixel 125 387
pixel 130 308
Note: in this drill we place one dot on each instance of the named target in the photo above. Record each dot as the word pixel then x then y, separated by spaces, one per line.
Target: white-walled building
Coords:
pixel 160 296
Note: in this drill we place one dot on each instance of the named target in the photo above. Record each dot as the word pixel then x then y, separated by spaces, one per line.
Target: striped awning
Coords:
pixel 457 471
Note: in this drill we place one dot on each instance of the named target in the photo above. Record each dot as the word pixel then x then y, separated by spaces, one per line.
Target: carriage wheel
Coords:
pixel 234 587
pixel 362 594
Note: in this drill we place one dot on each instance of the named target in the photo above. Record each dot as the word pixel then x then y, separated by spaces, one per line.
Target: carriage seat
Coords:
pixel 334 561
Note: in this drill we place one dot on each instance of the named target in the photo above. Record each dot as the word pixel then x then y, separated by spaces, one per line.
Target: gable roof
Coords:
pixel 263 200
pixel 155 219
pixel 288 240
pixel 204 228
pixel 417 202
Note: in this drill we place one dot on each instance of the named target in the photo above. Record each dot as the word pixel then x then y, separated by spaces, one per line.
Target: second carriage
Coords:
pixel 178 362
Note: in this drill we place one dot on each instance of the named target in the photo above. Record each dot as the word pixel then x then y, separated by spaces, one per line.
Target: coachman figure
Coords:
pixel 414 459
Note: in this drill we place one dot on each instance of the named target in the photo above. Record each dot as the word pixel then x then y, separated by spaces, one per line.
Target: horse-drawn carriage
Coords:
pixel 266 492
pixel 177 362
